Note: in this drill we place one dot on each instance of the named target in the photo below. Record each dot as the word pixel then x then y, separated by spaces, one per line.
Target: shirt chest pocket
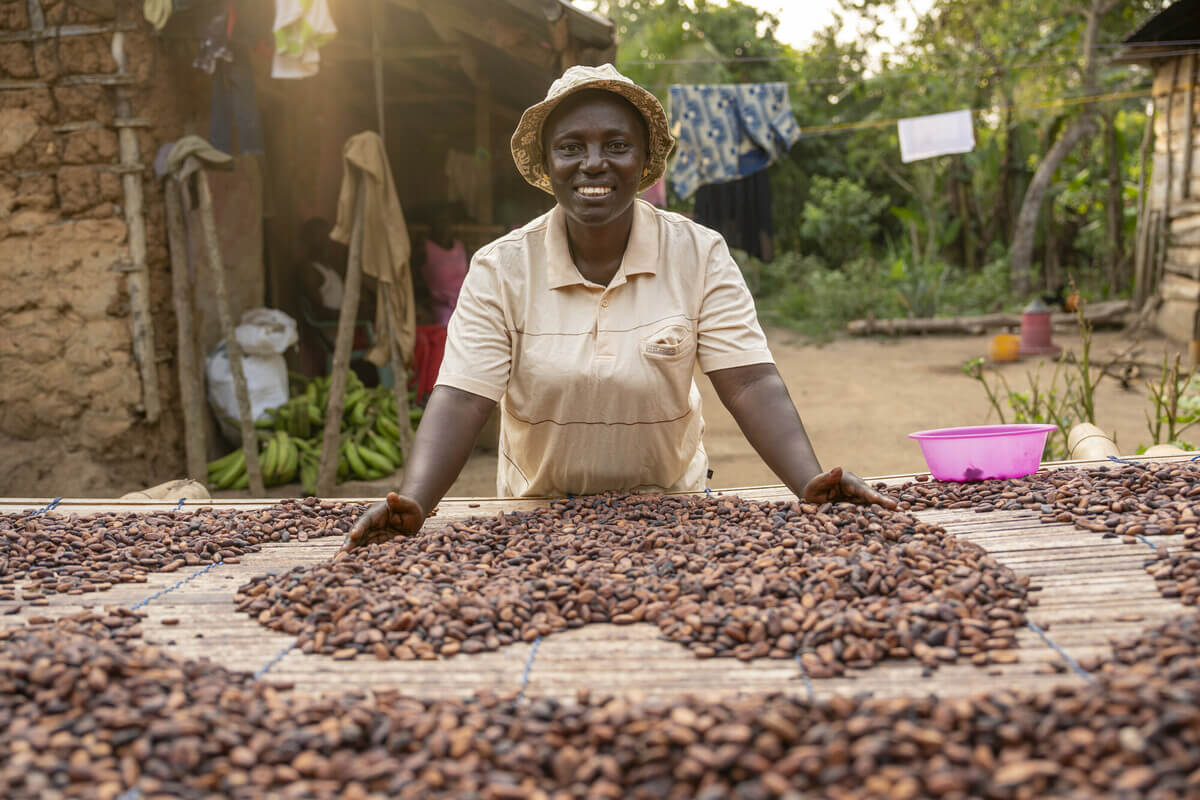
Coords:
pixel 669 343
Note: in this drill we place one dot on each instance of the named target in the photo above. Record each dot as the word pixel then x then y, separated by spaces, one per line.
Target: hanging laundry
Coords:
pixel 214 33
pixel 386 248
pixel 302 27
pixel 463 174
pixel 728 132
pixel 740 211
pixel 157 12
pixel 936 135
pixel 235 105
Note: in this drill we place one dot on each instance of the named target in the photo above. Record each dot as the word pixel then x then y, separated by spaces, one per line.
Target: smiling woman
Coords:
pixel 586 326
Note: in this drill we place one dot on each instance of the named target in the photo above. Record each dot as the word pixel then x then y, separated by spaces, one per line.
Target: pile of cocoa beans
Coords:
pixel 1127 501
pixel 843 586
pixel 73 554
pixel 87 712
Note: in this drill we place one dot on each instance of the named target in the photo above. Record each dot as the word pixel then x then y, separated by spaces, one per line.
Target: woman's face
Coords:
pixel 595 144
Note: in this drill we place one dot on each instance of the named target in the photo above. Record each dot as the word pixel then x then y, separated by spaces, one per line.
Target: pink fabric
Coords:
pixel 656 195
pixel 444 271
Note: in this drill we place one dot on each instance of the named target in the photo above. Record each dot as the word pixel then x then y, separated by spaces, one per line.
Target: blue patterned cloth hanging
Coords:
pixel 727 132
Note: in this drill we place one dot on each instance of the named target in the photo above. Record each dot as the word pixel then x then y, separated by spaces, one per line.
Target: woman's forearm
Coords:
pixel 444 440
pixel 758 399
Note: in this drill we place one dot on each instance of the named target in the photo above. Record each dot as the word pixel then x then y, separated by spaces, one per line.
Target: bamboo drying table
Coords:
pixel 1091 590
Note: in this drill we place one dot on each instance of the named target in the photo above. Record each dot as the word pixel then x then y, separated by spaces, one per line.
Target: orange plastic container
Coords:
pixel 1004 347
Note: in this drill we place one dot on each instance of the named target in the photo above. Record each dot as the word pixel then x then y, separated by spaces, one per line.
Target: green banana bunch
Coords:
pixel 368 450
pixel 229 471
pixel 280 459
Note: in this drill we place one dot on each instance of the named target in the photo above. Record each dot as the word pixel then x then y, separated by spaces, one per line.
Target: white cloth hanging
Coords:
pixel 301 28
pixel 936 135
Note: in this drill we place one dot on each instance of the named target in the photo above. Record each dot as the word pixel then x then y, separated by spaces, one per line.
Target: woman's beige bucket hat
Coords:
pixel 527 141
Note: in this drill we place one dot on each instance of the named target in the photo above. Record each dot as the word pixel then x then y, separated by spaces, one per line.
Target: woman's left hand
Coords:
pixel 838 486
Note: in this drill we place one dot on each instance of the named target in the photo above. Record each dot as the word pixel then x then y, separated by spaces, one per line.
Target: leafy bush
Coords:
pixel 840 217
pixel 802 292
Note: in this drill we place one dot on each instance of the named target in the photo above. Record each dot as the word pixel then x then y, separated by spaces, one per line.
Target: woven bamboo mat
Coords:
pixel 1090 590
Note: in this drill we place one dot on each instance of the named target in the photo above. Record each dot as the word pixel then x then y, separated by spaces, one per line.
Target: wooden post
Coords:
pixel 1141 275
pixel 327 471
pixel 376 10
pixel 138 277
pixel 1189 126
pixel 249 435
pixel 191 379
pixel 399 380
pixel 1170 155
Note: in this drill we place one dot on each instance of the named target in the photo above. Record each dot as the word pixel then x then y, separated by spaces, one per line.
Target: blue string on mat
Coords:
pixel 1120 460
pixel 173 586
pixel 53 504
pixel 1146 541
pixel 179 505
pixel 808 685
pixel 528 667
pixel 130 794
pixel 275 659
pixel 1053 645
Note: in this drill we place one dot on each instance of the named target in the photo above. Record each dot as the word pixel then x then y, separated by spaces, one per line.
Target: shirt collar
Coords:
pixel 641 251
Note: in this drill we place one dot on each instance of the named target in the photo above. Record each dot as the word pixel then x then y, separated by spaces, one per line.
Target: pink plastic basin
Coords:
pixel 983 452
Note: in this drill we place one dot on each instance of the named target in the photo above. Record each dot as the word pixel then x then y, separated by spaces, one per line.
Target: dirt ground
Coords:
pixel 861 397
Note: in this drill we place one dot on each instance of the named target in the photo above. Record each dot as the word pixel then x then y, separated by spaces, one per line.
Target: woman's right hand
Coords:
pixel 395 516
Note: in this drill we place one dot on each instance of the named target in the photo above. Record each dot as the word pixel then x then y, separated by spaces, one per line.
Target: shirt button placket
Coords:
pixel 602 338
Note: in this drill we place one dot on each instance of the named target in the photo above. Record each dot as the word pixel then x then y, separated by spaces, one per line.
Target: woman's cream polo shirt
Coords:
pixel 595 382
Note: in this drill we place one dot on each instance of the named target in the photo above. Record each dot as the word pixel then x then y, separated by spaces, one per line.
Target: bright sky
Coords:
pixel 800 19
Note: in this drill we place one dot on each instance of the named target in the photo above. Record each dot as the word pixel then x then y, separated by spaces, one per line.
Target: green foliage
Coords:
pixel 1056 402
pixel 841 217
pixel 805 294
pixel 846 211
pixel 1175 400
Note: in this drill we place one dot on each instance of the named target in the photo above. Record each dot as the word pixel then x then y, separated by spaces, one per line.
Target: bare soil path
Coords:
pixel 861 397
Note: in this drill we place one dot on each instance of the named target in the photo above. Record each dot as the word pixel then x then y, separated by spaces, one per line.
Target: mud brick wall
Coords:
pixel 71 421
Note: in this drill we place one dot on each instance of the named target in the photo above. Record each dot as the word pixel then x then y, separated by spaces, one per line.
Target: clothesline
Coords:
pixel 893 74
pixel 1062 102
pixel 653 62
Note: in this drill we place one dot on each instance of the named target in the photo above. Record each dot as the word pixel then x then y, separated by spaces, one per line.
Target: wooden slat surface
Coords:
pixel 1086 583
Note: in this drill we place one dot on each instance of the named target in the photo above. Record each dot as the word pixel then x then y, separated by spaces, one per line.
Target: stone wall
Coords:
pixel 71 420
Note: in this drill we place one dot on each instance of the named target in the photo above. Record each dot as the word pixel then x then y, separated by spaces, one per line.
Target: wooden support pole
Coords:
pixel 399 380
pixel 376 10
pixel 191 378
pixel 234 350
pixel 1170 177
pixel 1189 128
pixel 1141 275
pixel 347 318
pixel 138 278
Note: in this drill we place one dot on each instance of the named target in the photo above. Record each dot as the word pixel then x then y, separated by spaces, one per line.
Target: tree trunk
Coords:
pixel 1050 244
pixel 1021 267
pixel 997 222
pixel 1021 255
pixel 1115 206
